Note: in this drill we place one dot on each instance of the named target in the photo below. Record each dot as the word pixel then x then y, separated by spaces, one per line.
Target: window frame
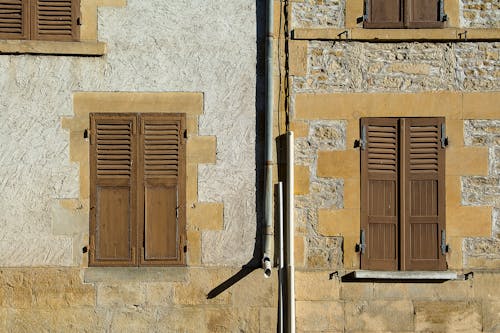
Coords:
pixel 136 184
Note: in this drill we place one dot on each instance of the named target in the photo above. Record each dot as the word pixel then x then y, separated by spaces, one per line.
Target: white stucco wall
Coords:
pixel 177 45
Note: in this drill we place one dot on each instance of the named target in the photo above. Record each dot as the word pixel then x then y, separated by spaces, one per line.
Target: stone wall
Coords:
pixel 399 67
pixel 480 13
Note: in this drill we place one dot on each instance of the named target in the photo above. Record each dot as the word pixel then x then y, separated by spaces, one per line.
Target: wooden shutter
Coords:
pixel 379 199
pixel 423 14
pixel 161 189
pixel 113 234
pixel 384 14
pixel 55 20
pixel 422 179
pixel 14 19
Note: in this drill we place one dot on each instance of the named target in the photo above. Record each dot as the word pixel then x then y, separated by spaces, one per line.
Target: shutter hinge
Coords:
pixel 444 139
pixel 366 10
pixel 362 245
pixel 185 134
pixel 442 16
pixel 362 141
pixel 79 21
pixel 185 248
pixel 445 248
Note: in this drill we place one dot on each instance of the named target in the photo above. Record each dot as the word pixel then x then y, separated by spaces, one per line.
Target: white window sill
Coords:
pixel 405 275
pixel 83 48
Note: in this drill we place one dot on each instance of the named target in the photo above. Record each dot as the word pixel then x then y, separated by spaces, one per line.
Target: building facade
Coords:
pixel 132 165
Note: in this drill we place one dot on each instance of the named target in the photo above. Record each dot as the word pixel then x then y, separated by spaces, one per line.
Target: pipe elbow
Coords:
pixel 267 266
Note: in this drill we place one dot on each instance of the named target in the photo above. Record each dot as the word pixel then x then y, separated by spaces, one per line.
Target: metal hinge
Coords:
pixel 362 245
pixel 444 139
pixel 362 141
pixel 442 16
pixel 444 247
pixel 366 10
pixel 79 21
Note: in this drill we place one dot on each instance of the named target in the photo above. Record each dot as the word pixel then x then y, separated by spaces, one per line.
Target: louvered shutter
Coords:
pixel 55 20
pixel 113 233
pixel 14 19
pixel 379 199
pixel 384 14
pixel 162 193
pixel 423 215
pixel 423 13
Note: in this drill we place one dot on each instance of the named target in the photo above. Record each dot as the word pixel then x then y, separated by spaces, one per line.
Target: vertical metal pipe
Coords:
pixel 268 246
pixel 290 205
pixel 281 271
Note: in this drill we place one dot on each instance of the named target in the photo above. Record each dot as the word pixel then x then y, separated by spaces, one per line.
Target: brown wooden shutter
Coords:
pixel 113 234
pixel 55 20
pixel 422 178
pixel 379 188
pixel 384 14
pixel 423 14
pixel 14 19
pixel 162 189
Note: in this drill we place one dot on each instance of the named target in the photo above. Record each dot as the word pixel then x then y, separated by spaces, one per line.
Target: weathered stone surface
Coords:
pixel 480 14
pixel 200 282
pixel 436 316
pixel 181 319
pixel 316 286
pixel 132 320
pixel 123 294
pixel 379 315
pixel 255 290
pixel 491 317
pixel 159 294
pixel 319 316
pixel 238 319
pixel 315 14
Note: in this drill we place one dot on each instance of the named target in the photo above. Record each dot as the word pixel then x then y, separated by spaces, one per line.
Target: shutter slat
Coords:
pixel 56 20
pixel 13 19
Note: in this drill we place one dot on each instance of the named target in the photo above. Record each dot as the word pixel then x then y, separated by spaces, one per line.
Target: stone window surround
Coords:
pixel 344 164
pixel 88 44
pixel 200 216
pixel 354 30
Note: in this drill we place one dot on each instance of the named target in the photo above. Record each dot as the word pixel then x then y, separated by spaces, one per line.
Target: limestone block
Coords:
pixel 131 294
pixel 254 290
pixel 159 293
pixel 338 164
pixel 339 222
pixel 268 320
pixel 237 319
pixel 481 105
pixel 181 319
pixel 300 254
pixel 199 284
pixel 206 215
pixel 300 128
pixel 447 316
pixel 491 317
pixel 201 149
pixel 298 57
pixel 379 315
pixel 316 286
pixel 194 247
pixel 319 316
pixel 476 163
pixel 132 320
pixel 356 291
pixel 485 285
pixel 468 221
pixel 302 176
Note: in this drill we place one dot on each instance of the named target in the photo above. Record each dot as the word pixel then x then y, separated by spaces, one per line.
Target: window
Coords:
pixel 404 14
pixel 402 194
pixel 55 20
pixel 137 194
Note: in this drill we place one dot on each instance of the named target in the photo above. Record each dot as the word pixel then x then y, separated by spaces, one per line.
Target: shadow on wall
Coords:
pixel 260 105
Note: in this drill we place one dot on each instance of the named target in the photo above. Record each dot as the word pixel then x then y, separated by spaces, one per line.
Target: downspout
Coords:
pixel 268 246
pixel 290 258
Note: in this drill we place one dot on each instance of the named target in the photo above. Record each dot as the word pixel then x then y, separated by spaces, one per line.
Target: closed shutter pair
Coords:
pixel 402 194
pixel 55 20
pixel 404 14
pixel 137 169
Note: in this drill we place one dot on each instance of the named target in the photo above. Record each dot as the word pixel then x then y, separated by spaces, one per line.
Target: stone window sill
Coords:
pixel 135 274
pixel 388 35
pixel 402 276
pixel 85 48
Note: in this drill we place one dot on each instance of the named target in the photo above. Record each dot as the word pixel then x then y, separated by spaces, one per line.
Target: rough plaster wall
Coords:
pixel 155 45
